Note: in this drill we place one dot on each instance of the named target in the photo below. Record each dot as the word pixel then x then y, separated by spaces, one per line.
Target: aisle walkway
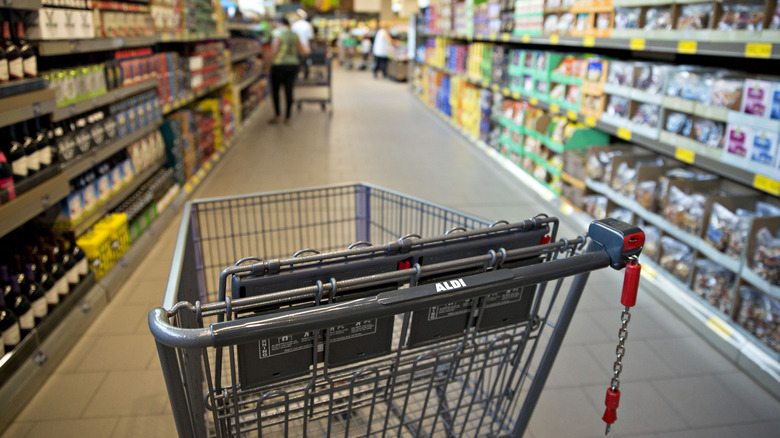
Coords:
pixel 674 384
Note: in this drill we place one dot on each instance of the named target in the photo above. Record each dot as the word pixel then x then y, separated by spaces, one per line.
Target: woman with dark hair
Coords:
pixel 285 48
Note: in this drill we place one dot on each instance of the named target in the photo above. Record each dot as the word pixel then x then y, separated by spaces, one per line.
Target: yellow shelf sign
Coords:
pixel 504 37
pixel 207 165
pixel 572 115
pixel 589 41
pixel 554 108
pixel 758 50
pixel 554 39
pixel 637 44
pixel 766 184
pixel 590 121
pixel 687 47
pixel 515 95
pixel 533 101
pixel 526 38
pixel 624 134
pixel 506 91
pixel 493 37
pixel 495 87
pixel 685 155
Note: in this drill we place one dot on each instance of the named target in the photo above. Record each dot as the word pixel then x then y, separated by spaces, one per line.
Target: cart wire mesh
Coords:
pixel 475 382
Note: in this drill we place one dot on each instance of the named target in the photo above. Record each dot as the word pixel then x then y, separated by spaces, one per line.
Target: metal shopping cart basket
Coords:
pixel 316 79
pixel 448 332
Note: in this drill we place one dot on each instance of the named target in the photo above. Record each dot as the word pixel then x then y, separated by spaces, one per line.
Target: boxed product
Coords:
pixel 596 206
pixel 627 18
pixel 756 97
pixel 659 18
pixel 626 170
pixel 600 161
pixel 765 258
pixel 760 315
pixel 652 241
pixel 676 258
pixel 714 283
pixel 742 15
pixel 695 16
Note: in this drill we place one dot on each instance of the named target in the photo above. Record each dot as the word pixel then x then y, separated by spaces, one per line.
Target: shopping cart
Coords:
pixel 319 79
pixel 450 332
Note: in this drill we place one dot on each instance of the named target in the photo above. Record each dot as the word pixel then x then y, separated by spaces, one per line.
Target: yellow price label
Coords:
pixel 590 121
pixel 504 37
pixel 195 179
pixel 571 115
pixel 493 37
pixel 687 47
pixel 766 184
pixel 554 39
pixel 685 155
pixel 495 87
pixel 515 95
pixel 526 38
pixel 188 188
pixel 589 41
pixel 758 50
pixel 485 84
pixel 533 101
pixel 217 155
pixel 649 272
pixel 624 134
pixel 554 108
pixel 207 165
pixel 566 209
pixel 506 91
pixel 637 44
pixel 479 36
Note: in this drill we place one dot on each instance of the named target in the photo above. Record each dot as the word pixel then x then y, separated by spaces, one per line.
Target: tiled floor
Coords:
pixel 674 384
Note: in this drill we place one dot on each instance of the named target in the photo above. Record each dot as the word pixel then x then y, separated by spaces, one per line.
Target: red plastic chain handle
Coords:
pixel 628 299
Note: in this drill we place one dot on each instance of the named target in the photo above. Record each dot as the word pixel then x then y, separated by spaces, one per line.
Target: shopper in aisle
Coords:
pixel 365 51
pixel 382 45
pixel 303 28
pixel 285 49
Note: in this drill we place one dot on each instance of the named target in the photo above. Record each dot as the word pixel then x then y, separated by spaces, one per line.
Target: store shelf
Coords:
pixel 761 284
pixel 698 158
pixel 29 5
pixel 25 106
pixel 239 56
pixel 732 340
pixel 243 27
pixel 32 203
pixel 249 81
pixel 192 97
pixel 759 47
pixel 21 86
pixel 191 37
pixel 110 97
pixel 97 155
pixel 68 47
pixel 98 212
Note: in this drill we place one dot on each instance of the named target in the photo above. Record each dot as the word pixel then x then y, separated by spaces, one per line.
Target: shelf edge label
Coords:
pixel 554 108
pixel 504 37
pixel 554 39
pixel 533 101
pixel 572 115
pixel 624 134
pixel 589 41
pixel 637 44
pixel 766 184
pixel 758 50
pixel 685 155
pixel 526 38
pixel 687 47
pixel 590 121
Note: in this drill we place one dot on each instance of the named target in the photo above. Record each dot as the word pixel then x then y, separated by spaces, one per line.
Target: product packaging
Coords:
pixel 722 223
pixel 708 132
pixel 737 137
pixel 714 283
pixel 695 16
pixel 742 15
pixel 724 92
pixel 620 73
pixel 617 106
pixel 766 259
pixel 627 18
pixel 647 115
pixel 676 258
pixel 679 123
pixel 650 77
pixel 685 211
pixel 659 18
pixel 596 206
pixel 755 98
pixel 652 241
pixel 760 314
pixel 763 146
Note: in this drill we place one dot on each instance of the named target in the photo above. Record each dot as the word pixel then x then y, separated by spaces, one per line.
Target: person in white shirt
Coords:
pixel 382 45
pixel 305 33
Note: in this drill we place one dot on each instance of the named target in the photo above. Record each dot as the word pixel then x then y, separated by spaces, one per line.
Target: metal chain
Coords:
pixel 620 351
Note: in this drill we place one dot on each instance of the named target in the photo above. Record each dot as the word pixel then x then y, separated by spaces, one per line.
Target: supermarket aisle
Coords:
pixel 674 385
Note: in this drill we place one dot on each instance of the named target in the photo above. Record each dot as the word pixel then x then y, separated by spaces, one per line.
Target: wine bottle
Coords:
pixel 31 150
pixel 45 150
pixel 82 266
pixel 9 327
pixel 18 303
pixel 83 139
pixel 32 290
pixel 12 54
pixel 7 188
pixel 58 271
pixel 72 272
pixel 37 268
pixel 3 66
pixel 29 61
pixel 15 153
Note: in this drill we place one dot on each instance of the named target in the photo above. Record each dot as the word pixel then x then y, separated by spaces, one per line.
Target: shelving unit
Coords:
pixel 191 37
pixel 32 203
pixel 110 97
pixel 248 81
pixel 25 106
pixel 192 97
pixel 733 340
pixel 28 5
pixel 243 27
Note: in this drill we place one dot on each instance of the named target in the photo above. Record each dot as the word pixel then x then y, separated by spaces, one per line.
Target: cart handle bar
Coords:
pixel 251 329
